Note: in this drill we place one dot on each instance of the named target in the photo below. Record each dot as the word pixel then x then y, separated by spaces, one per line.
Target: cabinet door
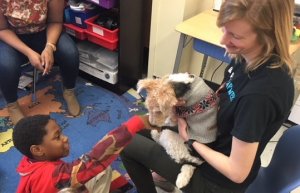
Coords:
pixel 131 45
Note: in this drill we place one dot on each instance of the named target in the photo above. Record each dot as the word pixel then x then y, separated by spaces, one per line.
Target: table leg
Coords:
pixel 203 66
pixel 179 53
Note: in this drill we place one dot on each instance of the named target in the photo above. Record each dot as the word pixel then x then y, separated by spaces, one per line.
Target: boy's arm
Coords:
pixel 100 157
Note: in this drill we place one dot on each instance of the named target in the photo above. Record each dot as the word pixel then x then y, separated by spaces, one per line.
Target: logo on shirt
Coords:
pixel 230 91
pixel 229 86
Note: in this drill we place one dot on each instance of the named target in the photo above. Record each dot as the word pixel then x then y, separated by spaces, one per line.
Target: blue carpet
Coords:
pixel 102 111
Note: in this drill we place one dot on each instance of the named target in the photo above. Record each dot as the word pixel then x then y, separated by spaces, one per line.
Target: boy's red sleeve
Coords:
pixel 134 124
pixel 100 157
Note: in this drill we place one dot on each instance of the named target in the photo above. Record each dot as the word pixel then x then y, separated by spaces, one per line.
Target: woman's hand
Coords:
pixel 180 102
pixel 47 59
pixel 36 60
pixel 182 129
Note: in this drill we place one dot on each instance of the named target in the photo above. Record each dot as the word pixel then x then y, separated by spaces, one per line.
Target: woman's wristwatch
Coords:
pixel 189 144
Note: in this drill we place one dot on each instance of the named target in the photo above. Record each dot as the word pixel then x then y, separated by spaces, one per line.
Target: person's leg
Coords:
pixel 143 155
pixel 10 65
pixel 200 184
pixel 101 182
pixel 67 58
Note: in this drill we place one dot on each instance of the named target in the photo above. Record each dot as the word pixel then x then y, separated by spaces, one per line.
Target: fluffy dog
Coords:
pixel 200 112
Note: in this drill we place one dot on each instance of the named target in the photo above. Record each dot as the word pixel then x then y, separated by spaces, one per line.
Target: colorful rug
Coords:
pixel 102 111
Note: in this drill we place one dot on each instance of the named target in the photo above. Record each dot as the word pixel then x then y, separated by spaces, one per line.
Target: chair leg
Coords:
pixel 35 77
pixel 34 101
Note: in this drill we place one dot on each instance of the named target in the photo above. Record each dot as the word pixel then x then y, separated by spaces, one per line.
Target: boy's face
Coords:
pixel 55 145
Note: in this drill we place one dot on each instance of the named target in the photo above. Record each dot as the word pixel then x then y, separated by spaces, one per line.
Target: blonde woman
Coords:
pixel 255 99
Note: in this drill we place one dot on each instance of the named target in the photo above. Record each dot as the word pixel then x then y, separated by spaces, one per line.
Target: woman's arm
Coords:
pixel 54 20
pixel 237 166
pixel 54 29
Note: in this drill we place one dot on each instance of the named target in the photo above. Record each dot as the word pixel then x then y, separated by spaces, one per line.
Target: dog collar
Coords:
pixel 209 101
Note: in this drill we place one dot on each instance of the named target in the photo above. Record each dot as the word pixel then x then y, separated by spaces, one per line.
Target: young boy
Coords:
pixel 40 139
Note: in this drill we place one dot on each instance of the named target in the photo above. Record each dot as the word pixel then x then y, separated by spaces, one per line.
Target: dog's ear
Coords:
pixel 180 88
pixel 148 84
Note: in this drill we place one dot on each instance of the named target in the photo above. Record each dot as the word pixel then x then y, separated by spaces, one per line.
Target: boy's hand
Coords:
pixel 145 119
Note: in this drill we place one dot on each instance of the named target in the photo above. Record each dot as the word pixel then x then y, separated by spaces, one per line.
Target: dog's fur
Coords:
pixel 162 96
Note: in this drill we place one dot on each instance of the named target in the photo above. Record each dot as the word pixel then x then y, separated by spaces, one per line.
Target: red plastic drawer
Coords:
pixel 102 41
pixel 75 31
pixel 101 31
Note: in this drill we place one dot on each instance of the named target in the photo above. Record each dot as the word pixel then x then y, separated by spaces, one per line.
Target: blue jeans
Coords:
pixel 66 57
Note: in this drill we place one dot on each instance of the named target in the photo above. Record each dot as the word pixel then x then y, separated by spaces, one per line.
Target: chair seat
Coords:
pixel 282 175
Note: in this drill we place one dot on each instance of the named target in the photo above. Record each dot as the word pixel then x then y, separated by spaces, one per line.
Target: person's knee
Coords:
pixel 10 59
pixel 67 48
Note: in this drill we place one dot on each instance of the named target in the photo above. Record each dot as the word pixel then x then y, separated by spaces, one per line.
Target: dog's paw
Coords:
pixel 185 175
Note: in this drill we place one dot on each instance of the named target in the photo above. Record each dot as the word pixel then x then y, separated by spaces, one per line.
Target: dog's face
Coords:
pixel 160 101
pixel 162 96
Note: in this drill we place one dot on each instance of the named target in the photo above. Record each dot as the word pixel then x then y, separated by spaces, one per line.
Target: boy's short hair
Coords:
pixel 30 131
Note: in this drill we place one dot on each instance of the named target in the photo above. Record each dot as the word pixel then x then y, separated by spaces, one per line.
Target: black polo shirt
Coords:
pixel 252 108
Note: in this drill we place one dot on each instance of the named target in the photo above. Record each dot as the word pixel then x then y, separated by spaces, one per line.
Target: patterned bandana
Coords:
pixel 209 101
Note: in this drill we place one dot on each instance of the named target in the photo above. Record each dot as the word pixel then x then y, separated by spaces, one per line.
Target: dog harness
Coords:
pixel 208 102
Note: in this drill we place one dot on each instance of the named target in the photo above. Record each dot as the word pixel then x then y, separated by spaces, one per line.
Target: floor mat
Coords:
pixel 102 111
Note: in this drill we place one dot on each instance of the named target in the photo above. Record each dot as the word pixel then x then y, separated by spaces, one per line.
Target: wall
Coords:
pixel 163 36
pixel 164 39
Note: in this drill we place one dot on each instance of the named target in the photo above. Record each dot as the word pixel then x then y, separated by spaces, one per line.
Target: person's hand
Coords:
pixel 182 129
pixel 47 59
pixel 35 60
pixel 145 119
pixel 180 102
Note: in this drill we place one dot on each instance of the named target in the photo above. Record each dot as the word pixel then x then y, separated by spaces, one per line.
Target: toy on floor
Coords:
pixel 200 111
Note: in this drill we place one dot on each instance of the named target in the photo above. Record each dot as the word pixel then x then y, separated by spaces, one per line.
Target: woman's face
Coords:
pixel 240 38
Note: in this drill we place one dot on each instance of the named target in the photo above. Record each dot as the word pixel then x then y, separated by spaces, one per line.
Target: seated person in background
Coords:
pixel 32 31
pixel 39 138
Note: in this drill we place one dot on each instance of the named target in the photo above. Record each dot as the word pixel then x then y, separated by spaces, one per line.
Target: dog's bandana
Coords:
pixel 209 101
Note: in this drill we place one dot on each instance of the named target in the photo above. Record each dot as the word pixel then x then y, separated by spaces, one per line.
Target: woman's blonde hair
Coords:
pixel 272 20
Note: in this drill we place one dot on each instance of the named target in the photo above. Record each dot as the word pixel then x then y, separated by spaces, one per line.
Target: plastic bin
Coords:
pixel 105 3
pixel 75 31
pixel 78 17
pixel 97 56
pixel 102 41
pixel 67 17
pixel 101 31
